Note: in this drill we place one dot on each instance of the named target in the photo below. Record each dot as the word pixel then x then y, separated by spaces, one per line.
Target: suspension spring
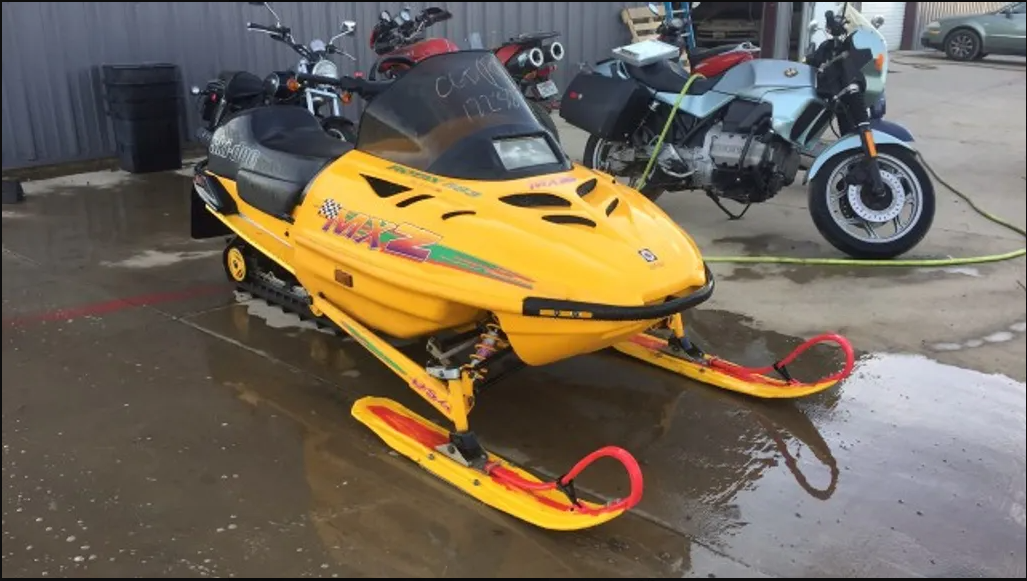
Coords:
pixel 488 345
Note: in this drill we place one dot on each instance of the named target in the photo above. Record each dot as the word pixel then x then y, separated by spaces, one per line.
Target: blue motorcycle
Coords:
pixel 742 135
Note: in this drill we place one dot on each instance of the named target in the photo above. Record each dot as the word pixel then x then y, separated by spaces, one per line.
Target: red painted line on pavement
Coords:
pixel 113 306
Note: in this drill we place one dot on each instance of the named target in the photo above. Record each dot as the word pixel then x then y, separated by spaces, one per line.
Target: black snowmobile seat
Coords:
pixel 272 153
pixel 669 77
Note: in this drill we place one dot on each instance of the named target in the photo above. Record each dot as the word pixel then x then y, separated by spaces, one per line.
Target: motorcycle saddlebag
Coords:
pixel 603 106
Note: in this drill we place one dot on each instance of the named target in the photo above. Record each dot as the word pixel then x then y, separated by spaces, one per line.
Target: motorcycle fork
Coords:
pixel 860 116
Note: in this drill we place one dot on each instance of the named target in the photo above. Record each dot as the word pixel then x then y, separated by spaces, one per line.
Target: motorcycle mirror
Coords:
pixel 385 15
pixel 654 8
pixel 194 90
pixel 878 21
pixel 348 27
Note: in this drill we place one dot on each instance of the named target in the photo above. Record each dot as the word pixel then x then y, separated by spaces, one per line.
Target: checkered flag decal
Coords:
pixel 329 209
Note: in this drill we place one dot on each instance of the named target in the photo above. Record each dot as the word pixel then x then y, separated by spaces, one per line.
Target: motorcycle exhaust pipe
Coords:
pixel 536 58
pixel 526 62
pixel 556 51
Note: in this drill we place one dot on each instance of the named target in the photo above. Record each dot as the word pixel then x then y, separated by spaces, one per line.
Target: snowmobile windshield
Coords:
pixel 459 115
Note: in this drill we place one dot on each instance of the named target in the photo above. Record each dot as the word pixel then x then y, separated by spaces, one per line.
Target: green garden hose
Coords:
pixel 922 262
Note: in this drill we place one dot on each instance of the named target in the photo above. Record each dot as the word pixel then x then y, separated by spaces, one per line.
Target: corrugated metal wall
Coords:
pixel 52 100
pixel 928 11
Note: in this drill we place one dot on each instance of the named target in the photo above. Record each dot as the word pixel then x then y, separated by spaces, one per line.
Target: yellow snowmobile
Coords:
pixel 457 217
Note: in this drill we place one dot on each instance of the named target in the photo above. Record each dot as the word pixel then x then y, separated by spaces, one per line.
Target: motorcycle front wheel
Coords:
pixel 864 227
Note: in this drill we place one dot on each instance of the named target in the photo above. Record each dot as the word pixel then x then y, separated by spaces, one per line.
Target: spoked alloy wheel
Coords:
pixel 856 223
pixel 963 45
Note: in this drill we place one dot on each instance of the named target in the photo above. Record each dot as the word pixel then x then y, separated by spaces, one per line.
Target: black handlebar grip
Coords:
pixel 343 83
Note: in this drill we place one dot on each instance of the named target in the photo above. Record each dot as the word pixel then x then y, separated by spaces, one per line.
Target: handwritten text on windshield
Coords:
pixel 484 88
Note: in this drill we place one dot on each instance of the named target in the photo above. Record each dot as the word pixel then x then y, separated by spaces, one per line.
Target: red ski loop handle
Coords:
pixel 752 374
pixel 565 483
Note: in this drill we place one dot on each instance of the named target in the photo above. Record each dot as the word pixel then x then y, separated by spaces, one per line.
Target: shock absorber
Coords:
pixel 488 344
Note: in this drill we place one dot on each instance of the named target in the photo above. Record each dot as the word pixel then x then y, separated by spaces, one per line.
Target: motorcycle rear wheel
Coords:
pixel 594 157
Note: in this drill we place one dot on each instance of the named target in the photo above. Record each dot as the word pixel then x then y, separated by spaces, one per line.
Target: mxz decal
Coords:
pixel 410 242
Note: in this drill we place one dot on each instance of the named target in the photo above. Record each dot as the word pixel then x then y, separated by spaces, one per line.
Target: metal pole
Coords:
pixel 783 30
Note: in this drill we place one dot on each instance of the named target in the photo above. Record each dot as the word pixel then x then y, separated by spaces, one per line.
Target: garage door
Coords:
pixel 894 13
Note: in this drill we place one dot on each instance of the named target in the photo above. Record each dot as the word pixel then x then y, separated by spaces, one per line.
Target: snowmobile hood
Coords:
pixel 576 235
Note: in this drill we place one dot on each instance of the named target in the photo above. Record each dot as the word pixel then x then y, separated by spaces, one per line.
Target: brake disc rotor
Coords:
pixel 898 200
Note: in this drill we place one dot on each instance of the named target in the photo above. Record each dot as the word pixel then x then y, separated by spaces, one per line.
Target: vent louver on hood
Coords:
pixel 384 188
pixel 536 201
pixel 456 213
pixel 586 187
pixel 413 200
pixel 569 219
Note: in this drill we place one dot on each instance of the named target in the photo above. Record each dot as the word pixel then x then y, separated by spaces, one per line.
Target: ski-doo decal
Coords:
pixel 409 241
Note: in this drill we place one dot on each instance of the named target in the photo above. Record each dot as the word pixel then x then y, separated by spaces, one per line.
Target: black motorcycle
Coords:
pixel 234 91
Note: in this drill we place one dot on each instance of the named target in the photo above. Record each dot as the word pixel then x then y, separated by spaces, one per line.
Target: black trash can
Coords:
pixel 142 101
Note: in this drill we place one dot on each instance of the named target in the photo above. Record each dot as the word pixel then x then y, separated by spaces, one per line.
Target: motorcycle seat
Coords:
pixel 697 55
pixel 669 77
pixel 272 153
pixel 241 86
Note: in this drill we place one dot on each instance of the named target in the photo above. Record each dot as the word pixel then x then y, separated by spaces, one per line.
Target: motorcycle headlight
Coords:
pixel 325 68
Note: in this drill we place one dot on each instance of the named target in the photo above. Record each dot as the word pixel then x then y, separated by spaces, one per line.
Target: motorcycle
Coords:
pixel 531 62
pixel 400 41
pixel 238 90
pixel 740 136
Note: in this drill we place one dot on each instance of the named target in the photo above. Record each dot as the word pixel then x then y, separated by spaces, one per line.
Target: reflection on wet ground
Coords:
pixel 201 433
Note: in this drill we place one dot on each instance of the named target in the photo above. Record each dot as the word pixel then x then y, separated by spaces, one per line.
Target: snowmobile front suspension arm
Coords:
pixel 453 398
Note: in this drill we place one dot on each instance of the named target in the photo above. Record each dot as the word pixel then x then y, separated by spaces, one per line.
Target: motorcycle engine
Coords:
pixel 723 166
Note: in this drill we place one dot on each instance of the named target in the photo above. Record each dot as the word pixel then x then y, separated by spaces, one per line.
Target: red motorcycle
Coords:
pixel 531 62
pixel 400 43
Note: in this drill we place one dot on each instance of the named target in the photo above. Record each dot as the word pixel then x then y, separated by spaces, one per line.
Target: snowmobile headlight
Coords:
pixel 326 68
pixel 519 152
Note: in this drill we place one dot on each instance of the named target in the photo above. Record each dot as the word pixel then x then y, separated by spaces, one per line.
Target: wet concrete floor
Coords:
pixel 157 423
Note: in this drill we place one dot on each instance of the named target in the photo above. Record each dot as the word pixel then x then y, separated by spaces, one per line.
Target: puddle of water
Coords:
pixel 909 467
pixel 68 184
pixel 159 258
pixel 1003 336
pixel 274 317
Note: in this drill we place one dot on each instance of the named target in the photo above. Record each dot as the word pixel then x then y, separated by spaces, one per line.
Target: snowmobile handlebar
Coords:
pixel 362 87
